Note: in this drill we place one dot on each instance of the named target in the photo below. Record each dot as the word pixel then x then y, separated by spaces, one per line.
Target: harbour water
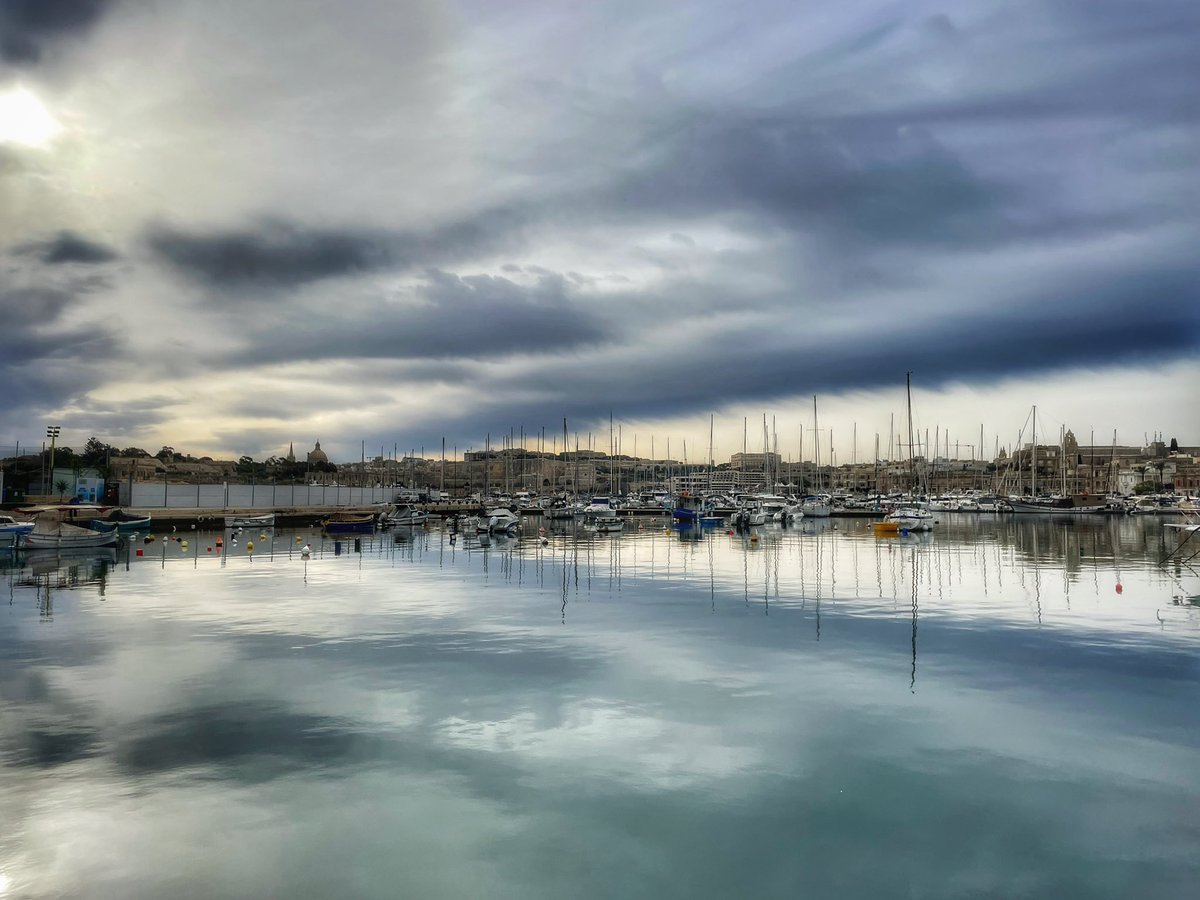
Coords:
pixel 1006 707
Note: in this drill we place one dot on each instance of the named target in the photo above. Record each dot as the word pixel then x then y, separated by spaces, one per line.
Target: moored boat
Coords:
pixel 266 520
pixel 911 518
pixel 121 522
pixel 11 526
pixel 63 536
pixel 349 523
pixel 404 514
pixel 1076 503
pixel 500 520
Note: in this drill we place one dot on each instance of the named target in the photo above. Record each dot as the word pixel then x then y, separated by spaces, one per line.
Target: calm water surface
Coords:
pixel 1006 708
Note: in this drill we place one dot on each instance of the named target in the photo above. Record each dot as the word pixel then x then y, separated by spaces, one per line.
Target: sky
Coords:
pixel 230 226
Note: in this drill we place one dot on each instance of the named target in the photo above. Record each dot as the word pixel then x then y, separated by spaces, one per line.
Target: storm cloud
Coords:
pixel 639 217
pixel 69 247
pixel 28 26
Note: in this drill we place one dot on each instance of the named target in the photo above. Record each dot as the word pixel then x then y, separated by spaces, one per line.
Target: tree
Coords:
pixel 61 486
pixel 95 451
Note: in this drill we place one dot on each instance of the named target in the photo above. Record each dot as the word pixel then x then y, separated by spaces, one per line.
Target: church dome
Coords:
pixel 316 454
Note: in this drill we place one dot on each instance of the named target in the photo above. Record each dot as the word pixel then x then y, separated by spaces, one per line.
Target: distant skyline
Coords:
pixel 227 227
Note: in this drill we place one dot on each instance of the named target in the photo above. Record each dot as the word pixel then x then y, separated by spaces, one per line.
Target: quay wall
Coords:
pixel 150 495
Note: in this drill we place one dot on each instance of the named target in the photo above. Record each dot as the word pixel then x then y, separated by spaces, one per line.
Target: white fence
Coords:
pixel 148 494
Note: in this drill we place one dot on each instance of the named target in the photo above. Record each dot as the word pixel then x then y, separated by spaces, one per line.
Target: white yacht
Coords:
pixel 911 518
pixel 404 514
pixel 500 520
pixel 601 514
pixel 816 507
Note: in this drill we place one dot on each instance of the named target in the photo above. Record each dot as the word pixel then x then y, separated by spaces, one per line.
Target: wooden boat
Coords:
pixel 1077 503
pixel 265 520
pixel 121 522
pixel 63 536
pixel 349 523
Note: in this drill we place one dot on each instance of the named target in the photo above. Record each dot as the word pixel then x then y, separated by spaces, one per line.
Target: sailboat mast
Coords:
pixel 1033 458
pixel 816 443
pixel 912 463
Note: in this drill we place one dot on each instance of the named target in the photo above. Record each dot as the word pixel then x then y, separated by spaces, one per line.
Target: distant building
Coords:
pixel 317 455
pixel 758 462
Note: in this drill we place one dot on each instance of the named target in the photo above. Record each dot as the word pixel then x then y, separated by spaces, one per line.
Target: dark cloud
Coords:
pixel 464 316
pixel 278 253
pixel 28 26
pixel 869 183
pixel 70 247
pixel 38 334
pixel 1118 318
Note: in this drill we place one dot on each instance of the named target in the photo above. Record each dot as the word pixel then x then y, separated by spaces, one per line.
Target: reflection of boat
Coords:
pixel 62 536
pixel 266 520
pixel 404 514
pixel 48 560
pixel 349 523
pixel 121 522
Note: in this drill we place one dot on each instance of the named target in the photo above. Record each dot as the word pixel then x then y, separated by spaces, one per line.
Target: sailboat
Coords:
pixel 814 506
pixel 913 516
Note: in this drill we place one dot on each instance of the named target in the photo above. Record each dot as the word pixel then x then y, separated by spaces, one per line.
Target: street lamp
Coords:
pixel 52 432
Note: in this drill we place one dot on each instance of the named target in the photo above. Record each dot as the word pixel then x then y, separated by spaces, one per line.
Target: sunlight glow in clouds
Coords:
pixel 25 120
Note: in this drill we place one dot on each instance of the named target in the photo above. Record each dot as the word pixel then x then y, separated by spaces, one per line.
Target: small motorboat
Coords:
pixel 404 514
pixel 498 521
pixel 11 526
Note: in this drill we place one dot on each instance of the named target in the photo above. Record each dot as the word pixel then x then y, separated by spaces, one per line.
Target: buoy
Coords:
pixel 754 538
pixel 262 535
pixel 1120 588
pixel 220 542
pixel 210 549
pixel 249 546
pixel 544 542
pixel 299 539
pixel 193 526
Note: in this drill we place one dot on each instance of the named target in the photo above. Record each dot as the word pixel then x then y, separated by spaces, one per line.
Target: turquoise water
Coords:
pixel 1005 708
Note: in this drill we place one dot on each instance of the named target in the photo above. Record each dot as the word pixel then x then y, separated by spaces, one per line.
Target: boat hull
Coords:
pixel 46 541
pixel 263 521
pixel 1029 508
pixel 122 527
